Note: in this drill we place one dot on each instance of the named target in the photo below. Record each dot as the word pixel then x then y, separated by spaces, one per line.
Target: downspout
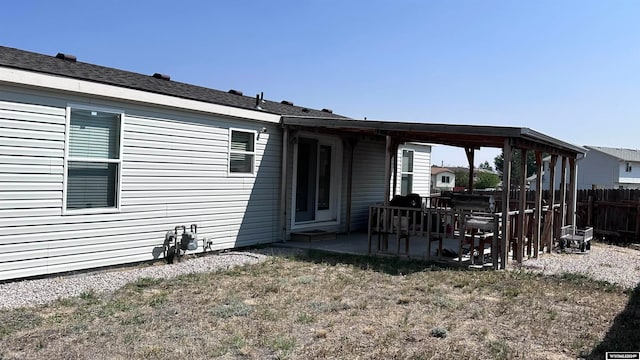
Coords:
pixel 283 183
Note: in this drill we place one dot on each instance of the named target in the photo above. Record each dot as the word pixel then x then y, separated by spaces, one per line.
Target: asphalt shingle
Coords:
pixel 622 154
pixel 50 64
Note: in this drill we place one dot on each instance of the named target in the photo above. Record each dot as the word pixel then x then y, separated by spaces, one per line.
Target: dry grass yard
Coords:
pixel 326 306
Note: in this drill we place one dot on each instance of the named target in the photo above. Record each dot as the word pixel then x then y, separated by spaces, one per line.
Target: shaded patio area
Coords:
pixel 522 229
pixel 357 243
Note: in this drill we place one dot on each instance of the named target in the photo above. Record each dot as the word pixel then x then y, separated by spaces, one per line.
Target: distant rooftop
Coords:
pixel 437 170
pixel 619 153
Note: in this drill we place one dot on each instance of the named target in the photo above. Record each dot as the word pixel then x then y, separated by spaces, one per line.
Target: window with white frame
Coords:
pixel 93 161
pixel 628 167
pixel 445 179
pixel 242 152
pixel 406 183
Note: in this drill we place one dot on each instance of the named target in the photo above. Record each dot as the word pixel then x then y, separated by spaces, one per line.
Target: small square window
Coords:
pixel 242 152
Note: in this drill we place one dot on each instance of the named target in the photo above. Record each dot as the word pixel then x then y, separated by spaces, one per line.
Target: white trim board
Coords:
pixel 34 79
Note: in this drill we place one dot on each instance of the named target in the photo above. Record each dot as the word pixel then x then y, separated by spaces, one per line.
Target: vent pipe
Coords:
pixel 162 76
pixel 66 57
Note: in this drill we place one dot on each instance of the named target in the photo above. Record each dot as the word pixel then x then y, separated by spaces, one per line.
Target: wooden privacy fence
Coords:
pixel 613 213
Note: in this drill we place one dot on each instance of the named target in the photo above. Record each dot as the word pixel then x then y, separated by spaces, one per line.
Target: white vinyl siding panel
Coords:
pixel 421 179
pixel 31 162
pixel 368 181
pixel 174 172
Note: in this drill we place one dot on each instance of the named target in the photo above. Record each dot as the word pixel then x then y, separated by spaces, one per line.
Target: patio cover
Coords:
pixel 471 138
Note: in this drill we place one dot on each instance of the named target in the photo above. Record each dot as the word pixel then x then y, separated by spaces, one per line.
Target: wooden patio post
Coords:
pixel 563 195
pixel 552 200
pixel 562 216
pixel 573 187
pixel 470 155
pixel 394 155
pixel 522 206
pixel 538 211
pixel 387 172
pixel 506 189
pixel 387 189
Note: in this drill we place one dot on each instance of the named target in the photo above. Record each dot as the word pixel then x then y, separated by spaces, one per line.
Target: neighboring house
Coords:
pixel 601 168
pixel 609 168
pixel 97 164
pixel 443 179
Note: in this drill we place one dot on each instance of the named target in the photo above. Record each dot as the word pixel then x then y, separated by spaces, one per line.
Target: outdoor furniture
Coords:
pixel 480 228
pixel 579 238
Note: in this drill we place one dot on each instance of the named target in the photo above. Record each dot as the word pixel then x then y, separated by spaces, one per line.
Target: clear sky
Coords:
pixel 569 69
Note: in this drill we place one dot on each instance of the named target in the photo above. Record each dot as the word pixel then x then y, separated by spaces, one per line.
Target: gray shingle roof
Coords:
pixel 25 60
pixel 621 154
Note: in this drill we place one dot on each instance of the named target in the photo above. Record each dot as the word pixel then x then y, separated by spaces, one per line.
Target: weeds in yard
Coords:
pixel 305 319
pixel 316 305
pixel 232 307
pixel 500 350
pixel 146 282
pixel 282 343
pixel 89 297
pixel 11 322
pixel 439 332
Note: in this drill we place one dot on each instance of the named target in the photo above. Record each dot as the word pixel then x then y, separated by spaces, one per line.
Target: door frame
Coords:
pixel 336 180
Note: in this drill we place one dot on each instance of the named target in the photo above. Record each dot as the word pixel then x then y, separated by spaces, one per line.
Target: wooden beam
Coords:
pixel 552 200
pixel 522 206
pixel 470 154
pixel 394 155
pixel 563 194
pixel 538 211
pixel 562 216
pixel 506 189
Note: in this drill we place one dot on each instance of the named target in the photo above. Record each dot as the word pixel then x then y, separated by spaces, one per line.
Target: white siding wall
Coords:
pixel 368 180
pixel 596 169
pixel 445 186
pixel 631 179
pixel 174 172
pixel 421 169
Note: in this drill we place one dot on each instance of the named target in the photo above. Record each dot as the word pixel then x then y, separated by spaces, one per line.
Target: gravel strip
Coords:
pixel 604 262
pixel 43 291
pixel 614 264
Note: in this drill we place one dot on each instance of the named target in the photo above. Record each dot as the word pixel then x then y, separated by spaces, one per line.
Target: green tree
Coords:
pixel 485 166
pixel 486 180
pixel 515 165
pixel 462 178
